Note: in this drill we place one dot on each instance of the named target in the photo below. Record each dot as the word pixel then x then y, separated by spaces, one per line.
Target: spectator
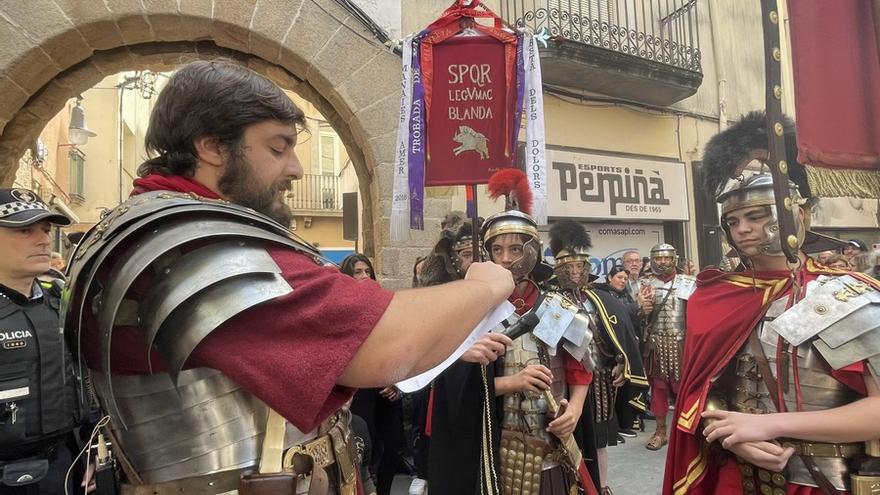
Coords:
pixel 380 408
pixel 616 285
pixel 632 262
pixel 854 251
pixel 358 267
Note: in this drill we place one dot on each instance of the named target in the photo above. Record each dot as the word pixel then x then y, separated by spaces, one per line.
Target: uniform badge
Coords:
pixel 24 196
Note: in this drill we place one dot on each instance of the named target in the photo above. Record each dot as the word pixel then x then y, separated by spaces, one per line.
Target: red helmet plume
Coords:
pixel 513 185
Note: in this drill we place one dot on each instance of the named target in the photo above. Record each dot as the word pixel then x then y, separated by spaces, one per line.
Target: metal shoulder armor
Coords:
pixel 840 317
pixel 204 261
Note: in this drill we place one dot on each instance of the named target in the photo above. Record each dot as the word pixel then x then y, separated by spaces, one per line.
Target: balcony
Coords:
pixel 646 51
pixel 316 195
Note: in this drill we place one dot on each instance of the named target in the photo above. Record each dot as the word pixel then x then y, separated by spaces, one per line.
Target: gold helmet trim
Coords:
pixel 573 256
pixel 510 222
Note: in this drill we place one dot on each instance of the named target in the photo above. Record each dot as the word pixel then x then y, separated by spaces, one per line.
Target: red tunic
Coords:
pixel 290 351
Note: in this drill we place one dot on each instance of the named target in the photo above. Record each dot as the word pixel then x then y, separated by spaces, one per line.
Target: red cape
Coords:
pixel 721 314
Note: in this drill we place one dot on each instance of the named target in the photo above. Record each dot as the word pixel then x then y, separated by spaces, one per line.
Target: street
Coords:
pixel 632 469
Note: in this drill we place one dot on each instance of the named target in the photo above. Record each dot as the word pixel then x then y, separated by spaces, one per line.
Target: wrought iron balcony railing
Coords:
pixel 316 193
pixel 664 31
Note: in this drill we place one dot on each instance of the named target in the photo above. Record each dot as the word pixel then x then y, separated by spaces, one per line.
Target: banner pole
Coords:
pixel 475 228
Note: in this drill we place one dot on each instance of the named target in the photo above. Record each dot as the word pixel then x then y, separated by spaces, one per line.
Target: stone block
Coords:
pixel 14 46
pixel 343 55
pixel 268 49
pixel 230 36
pixel 310 31
pixel 45 25
pixel 112 61
pixel 387 262
pixel 12 98
pixel 101 35
pixel 93 21
pixel 232 19
pixel 271 22
pixel 81 77
pixel 196 18
pixel 32 70
pixel 49 101
pixel 166 22
pixel 382 147
pixel 379 77
pixel 381 117
pixel 135 29
pixel 338 112
pixel 19 133
pixel 132 21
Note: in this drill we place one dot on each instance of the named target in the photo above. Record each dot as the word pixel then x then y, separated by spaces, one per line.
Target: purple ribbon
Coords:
pixel 520 88
pixel 417 141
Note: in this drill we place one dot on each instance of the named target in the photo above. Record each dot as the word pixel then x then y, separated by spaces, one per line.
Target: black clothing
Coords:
pixel 60 457
pixel 384 420
pixel 39 407
pixel 632 307
pixel 454 459
pixel 626 414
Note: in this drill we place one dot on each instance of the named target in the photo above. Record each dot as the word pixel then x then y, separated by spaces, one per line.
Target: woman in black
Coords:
pixel 616 285
pixel 380 408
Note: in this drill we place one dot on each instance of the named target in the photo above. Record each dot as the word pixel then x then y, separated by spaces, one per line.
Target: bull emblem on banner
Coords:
pixel 471 140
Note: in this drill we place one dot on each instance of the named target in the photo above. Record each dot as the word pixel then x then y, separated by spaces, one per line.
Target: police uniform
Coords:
pixel 38 392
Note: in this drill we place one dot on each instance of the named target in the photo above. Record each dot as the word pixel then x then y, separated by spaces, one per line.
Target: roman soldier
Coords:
pixel 543 368
pixel 618 365
pixel 452 254
pixel 664 332
pixel 779 389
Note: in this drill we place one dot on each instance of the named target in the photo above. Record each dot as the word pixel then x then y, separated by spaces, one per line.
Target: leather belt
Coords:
pixel 815 449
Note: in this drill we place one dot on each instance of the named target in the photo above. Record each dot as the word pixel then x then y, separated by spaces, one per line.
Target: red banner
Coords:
pixel 470 97
pixel 837 84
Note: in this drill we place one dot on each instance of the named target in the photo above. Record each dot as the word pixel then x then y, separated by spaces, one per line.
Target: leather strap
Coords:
pixel 819 477
pixel 764 369
pixel 221 482
pixel 770 382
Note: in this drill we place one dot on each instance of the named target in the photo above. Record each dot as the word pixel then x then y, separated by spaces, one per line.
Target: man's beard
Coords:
pixel 238 185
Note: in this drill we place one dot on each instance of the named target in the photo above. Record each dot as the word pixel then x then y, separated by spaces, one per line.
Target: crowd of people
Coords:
pixel 214 351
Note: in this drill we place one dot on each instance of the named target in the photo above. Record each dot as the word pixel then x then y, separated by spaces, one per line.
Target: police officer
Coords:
pixel 38 407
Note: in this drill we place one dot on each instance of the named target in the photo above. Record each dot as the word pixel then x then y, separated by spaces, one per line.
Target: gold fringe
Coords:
pixel 827 183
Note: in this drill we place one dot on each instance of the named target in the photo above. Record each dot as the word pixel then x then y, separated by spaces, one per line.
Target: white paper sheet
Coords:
pixel 489 322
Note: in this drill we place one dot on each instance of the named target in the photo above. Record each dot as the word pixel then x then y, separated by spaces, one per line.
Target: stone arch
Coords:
pixel 54 49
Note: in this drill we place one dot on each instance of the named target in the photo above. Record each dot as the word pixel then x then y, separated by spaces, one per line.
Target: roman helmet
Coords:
pixel 570 244
pixel 444 264
pixel 515 219
pixel 725 159
pixel 660 251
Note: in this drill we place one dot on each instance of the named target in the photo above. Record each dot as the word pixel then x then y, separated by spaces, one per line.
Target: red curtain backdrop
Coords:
pixel 836 83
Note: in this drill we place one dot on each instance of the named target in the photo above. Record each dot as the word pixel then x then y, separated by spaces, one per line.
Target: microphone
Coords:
pixel 524 325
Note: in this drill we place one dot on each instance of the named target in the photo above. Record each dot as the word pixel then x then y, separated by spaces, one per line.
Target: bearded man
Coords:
pixel 217 342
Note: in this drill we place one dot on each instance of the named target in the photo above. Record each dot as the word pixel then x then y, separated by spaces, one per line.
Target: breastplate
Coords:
pixel 527 411
pixel 205 425
pixel 819 391
pixel 668 317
